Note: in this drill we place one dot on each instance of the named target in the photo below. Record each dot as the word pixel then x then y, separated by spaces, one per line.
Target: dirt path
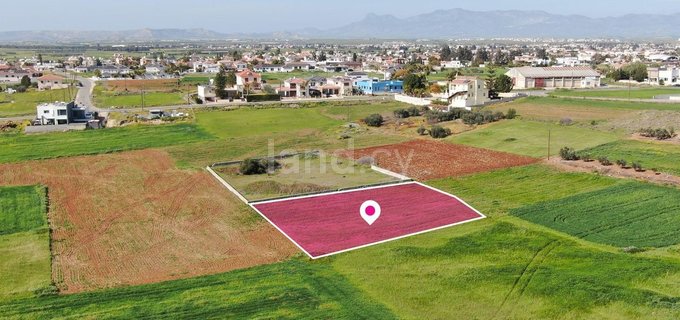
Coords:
pixel 614 171
pixel 133 218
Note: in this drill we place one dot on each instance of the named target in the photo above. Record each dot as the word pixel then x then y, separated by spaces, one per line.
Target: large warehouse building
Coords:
pixel 554 77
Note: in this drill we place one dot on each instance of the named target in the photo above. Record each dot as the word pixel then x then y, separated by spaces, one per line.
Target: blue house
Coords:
pixel 371 86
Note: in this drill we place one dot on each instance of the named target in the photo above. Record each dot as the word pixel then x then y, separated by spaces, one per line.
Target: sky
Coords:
pixel 276 15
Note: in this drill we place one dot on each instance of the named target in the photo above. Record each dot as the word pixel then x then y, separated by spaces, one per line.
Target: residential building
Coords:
pixel 294 87
pixel 665 75
pixel 13 76
pixel 250 79
pixel 371 86
pixel 554 77
pixel 207 93
pixel 343 84
pixel 51 81
pixel 466 92
pixel 56 113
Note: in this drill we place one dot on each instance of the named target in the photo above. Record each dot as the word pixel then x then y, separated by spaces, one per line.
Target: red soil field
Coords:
pixel 426 159
pixel 148 85
pixel 331 223
pixel 133 218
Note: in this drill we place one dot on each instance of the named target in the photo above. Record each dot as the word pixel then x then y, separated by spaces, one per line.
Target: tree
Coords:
pixel 26 81
pixel 322 56
pixel 97 73
pixel 637 71
pixel 445 53
pixel 435 88
pixel 98 62
pixel 40 58
pixel 503 83
pixel 355 58
pixel 221 84
pixel 231 79
pixel 542 54
pixel 415 84
pixel 374 120
pixel 439 132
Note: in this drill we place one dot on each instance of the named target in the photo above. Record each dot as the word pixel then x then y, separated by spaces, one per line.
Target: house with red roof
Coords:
pixel 51 81
pixel 248 79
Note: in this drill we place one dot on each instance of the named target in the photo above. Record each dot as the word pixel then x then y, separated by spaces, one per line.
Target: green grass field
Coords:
pixel 501 270
pixel 24 241
pixel 20 147
pixel 585 103
pixel 496 192
pixel 633 214
pixel 19 104
pixel 107 99
pixel 531 138
pixel 302 174
pixel 288 290
pixel 652 155
pixel 252 122
pixel 642 93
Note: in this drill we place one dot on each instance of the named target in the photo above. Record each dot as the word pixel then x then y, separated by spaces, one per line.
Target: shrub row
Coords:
pixel 659 133
pixel 569 154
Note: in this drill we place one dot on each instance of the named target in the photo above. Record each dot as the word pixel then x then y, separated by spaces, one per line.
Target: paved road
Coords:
pixel 84 96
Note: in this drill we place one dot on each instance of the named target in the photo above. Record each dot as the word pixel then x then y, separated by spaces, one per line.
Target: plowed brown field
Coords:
pixel 133 218
pixel 148 85
pixel 426 159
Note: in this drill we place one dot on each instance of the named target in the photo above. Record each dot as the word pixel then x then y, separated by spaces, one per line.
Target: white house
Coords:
pixel 12 76
pixel 248 78
pixel 61 113
pixel 455 64
pixel 207 93
pixel 51 81
pixel 666 75
pixel 466 92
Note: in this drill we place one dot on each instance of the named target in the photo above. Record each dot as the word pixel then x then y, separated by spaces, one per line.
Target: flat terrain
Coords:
pixel 20 147
pixel 663 157
pixel 551 109
pixel 302 174
pixel 642 93
pixel 24 241
pixel 132 218
pixel 330 223
pixel 612 106
pixel 290 290
pixel 531 137
pixel 128 93
pixel 632 214
pixel 496 192
pixel 425 159
pixel 19 104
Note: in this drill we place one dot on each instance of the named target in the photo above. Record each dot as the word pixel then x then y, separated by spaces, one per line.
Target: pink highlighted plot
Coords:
pixel 326 224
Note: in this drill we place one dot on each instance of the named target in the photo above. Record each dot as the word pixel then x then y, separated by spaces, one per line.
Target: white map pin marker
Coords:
pixel 370 211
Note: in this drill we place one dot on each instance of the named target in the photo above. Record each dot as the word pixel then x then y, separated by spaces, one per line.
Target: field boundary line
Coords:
pixel 328 193
pixel 390 173
pixel 227 185
pixel 481 216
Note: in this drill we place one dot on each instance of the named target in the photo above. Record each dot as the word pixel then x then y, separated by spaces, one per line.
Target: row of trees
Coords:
pixel 635 71
pixel 223 80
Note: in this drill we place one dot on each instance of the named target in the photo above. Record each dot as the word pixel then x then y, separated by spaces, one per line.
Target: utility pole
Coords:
pixel 549 138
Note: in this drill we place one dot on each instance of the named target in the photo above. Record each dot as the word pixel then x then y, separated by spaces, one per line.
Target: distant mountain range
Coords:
pixel 441 24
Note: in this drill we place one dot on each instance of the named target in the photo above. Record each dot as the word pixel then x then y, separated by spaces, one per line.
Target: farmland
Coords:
pixel 302 174
pixel 414 159
pixel 128 93
pixel 24 241
pixel 652 155
pixel 140 229
pixel 642 93
pixel 645 216
pixel 291 289
pixel 490 269
pixel 496 192
pixel 18 104
pixel 611 106
pixel 19 147
pixel 320 226
pixel 164 224
pixel 531 137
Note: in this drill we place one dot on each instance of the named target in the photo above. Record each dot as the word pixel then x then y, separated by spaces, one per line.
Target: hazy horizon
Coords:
pixel 282 15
